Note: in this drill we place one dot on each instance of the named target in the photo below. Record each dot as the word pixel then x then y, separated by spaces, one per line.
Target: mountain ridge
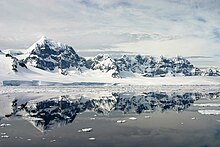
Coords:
pixel 49 55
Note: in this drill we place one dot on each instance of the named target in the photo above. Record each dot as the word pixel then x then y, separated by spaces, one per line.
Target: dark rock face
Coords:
pixel 47 54
pixel 104 63
pixel 212 72
pixel 16 63
pixel 145 65
pixel 150 66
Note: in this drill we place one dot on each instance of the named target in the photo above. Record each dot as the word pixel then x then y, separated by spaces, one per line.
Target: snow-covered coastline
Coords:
pixel 51 63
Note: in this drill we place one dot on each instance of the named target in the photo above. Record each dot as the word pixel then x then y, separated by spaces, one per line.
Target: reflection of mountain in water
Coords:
pixel 57 112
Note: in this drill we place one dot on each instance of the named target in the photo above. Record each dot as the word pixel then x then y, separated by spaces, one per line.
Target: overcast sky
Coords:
pixel 156 27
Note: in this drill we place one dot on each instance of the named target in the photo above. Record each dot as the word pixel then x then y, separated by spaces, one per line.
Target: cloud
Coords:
pixel 168 27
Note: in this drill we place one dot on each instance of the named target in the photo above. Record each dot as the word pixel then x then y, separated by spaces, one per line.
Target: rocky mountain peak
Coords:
pixel 48 54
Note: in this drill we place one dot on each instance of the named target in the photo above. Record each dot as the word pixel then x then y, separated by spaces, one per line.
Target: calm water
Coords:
pixel 147 118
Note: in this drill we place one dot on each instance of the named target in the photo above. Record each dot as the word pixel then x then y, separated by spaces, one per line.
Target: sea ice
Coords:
pixel 92 138
pixel 207 105
pixel 85 130
pixel 147 116
pixel 209 112
pixel 121 121
pixel 132 118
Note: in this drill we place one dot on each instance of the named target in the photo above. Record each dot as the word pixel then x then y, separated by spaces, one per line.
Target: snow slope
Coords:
pixel 42 77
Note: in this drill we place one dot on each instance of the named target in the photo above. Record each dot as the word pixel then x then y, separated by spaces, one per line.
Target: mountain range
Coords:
pixel 48 54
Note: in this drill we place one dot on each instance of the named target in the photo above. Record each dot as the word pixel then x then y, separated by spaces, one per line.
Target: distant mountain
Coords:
pixel 104 63
pixel 148 66
pixel 50 55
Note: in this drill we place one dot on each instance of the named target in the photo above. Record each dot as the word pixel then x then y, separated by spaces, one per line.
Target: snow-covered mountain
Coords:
pixel 48 54
pixel 104 63
pixel 48 61
pixel 148 66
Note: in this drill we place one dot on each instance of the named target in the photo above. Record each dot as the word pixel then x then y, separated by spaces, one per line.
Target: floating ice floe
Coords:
pixel 53 140
pixel 194 118
pixel 209 112
pixel 92 118
pixel 92 138
pixel 29 139
pixel 147 116
pixel 5 136
pixel 3 133
pixel 85 130
pixel 218 120
pixel 5 125
pixel 121 121
pixel 132 118
pixel 207 105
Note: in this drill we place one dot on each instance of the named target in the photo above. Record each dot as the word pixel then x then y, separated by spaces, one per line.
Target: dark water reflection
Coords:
pixel 59 111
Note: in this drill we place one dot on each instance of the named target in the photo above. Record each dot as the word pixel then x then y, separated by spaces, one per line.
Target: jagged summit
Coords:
pixel 48 54
pixel 46 41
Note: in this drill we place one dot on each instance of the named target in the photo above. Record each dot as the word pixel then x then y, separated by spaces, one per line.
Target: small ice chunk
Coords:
pixel 5 136
pixel 92 138
pixel 132 118
pixel 85 130
pixel 53 140
pixel 218 120
pixel 3 133
pixel 92 118
pixel 147 116
pixel 194 118
pixel 29 139
pixel 121 121
pixel 5 125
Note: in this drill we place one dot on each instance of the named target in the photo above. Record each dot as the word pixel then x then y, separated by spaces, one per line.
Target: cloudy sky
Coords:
pixel 156 27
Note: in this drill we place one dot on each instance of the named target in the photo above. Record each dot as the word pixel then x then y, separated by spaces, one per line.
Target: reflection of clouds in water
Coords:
pixel 217 133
